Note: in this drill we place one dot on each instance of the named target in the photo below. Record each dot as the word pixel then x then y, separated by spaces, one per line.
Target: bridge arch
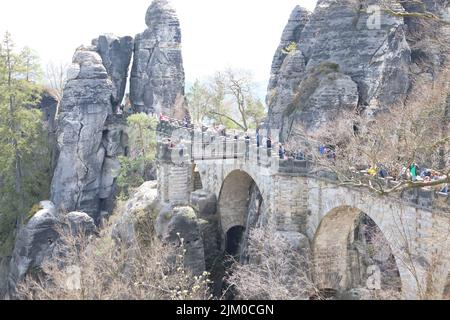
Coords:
pixel 351 251
pixel 234 199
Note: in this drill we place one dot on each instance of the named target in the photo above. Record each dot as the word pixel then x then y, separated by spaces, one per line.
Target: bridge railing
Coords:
pixel 180 145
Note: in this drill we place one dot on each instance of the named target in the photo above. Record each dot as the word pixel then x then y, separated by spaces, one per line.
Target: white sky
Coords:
pixel 216 33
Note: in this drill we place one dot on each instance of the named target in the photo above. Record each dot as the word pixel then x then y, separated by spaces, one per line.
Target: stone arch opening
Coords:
pixel 240 207
pixel 352 256
pixel 233 241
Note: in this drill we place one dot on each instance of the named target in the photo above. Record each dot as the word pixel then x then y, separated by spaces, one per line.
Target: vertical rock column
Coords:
pixel 85 107
pixel 288 67
pixel 157 77
pixel 116 55
pixel 89 132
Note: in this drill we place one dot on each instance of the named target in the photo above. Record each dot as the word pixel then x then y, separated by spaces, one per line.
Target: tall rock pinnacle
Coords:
pixel 341 57
pixel 157 77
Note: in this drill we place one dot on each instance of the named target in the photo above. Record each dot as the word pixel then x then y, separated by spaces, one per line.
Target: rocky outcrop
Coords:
pixel 157 76
pixel 48 106
pixel 140 209
pixel 35 242
pixel 321 97
pixel 428 38
pixel 204 203
pixel 183 223
pixel 116 55
pixel 89 138
pixel 144 216
pixel 288 66
pixel 80 223
pixel 205 207
pixel 375 57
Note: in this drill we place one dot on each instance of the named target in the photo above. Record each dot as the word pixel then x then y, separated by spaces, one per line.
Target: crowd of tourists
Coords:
pixel 411 172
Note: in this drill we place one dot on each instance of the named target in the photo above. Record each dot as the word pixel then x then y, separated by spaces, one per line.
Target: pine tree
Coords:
pixel 24 162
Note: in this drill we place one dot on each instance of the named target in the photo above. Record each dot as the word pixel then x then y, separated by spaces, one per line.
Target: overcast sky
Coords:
pixel 216 33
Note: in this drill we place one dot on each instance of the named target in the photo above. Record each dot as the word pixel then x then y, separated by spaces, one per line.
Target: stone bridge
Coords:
pixel 314 205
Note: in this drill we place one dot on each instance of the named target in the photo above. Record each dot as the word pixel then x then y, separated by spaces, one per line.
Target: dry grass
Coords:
pixel 99 268
pixel 276 270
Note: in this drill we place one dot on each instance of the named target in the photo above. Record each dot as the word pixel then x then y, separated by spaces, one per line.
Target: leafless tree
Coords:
pixel 276 271
pixel 56 77
pixel 238 86
pixel 414 132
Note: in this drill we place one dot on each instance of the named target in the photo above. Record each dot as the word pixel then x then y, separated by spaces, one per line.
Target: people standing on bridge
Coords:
pixel 269 146
pixel 185 122
pixel 404 173
pixel 445 189
pixel 299 155
pixel 247 146
pixel 258 139
pixel 163 118
pixel 413 170
pixel 236 138
pixel 382 172
pixel 281 152
pixel 322 150
pixel 372 171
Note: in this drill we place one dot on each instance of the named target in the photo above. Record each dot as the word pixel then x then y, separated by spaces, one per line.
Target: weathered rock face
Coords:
pixel 89 138
pixel 48 106
pixel 288 68
pixel 374 56
pixel 426 39
pixel 37 240
pixel 34 243
pixel 139 207
pixel 157 76
pixel 182 223
pixel 204 203
pixel 144 214
pixel 205 207
pixel 321 98
pixel 116 55
pixel 81 223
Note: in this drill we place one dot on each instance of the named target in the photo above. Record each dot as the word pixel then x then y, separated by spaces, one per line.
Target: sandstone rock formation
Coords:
pixel 145 213
pixel 48 106
pixel 34 243
pixel 321 97
pixel 204 203
pixel 37 240
pixel 157 76
pixel 138 209
pixel 287 67
pixel 182 223
pixel 116 55
pixel 375 57
pixel 81 223
pixel 89 138
pixel 205 207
